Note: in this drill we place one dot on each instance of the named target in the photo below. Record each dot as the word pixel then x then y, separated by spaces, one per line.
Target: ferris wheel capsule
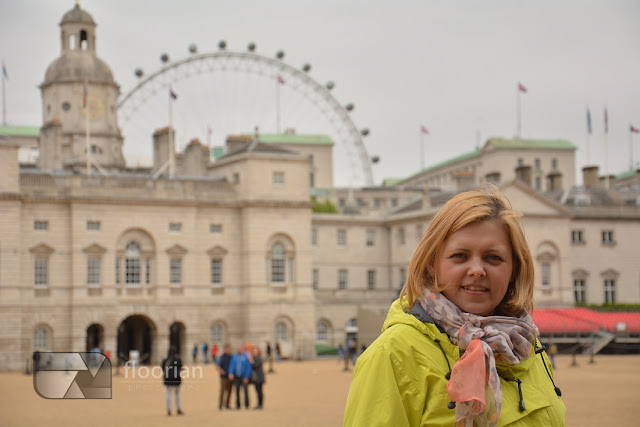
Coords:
pixel 251 47
pixel 138 72
pixel 164 58
pixel 280 54
pixel 222 45
pixel 306 67
pixel 193 48
pixel 330 85
pixel 349 107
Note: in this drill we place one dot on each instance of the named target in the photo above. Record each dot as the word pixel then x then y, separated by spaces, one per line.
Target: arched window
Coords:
pixel 217 333
pixel 132 264
pixel 278 263
pixel 41 339
pixel 282 333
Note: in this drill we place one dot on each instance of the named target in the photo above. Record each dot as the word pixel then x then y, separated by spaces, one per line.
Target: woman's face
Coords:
pixel 476 265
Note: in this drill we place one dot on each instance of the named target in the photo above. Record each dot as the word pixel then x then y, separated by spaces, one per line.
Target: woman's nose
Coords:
pixel 476 268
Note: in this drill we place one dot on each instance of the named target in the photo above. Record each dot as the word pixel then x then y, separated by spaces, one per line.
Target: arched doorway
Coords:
pixel 95 337
pixel 176 336
pixel 136 333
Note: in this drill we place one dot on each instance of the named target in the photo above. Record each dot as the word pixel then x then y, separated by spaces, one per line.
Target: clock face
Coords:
pixel 66 106
pixel 94 108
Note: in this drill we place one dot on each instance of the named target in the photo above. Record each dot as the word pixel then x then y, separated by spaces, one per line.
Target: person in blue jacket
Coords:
pixel 239 373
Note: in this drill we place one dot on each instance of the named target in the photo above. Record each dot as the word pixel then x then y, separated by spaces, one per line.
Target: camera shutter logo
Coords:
pixel 72 375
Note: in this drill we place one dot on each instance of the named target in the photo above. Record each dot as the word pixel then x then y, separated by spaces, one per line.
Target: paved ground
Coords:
pixel 310 393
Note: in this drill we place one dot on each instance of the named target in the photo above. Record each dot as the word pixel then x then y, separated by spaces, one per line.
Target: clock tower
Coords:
pixel 79 103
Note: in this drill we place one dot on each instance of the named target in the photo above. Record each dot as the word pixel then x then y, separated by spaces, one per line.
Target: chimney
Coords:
pixel 426 198
pixel 590 177
pixel 554 181
pixel 608 184
pixel 523 173
pixel 161 148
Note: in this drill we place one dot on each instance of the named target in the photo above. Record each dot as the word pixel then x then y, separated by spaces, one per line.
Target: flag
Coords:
pixel 589 121
pixel 521 88
pixel 634 129
pixel 606 121
pixel 424 130
pixel 4 72
pixel 280 80
pixel 85 91
pixel 172 94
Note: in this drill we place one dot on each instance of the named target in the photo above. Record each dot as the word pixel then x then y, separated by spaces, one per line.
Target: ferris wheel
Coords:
pixel 228 92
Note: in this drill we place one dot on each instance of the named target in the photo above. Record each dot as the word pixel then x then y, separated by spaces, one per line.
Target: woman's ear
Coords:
pixel 431 270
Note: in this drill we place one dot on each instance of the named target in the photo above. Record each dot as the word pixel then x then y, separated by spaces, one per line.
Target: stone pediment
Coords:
pixel 526 200
pixel 176 250
pixel 94 249
pixel 217 251
pixel 41 249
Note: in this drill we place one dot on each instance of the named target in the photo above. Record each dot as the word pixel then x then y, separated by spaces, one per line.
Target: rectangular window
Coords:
pixel 41 271
pixel 132 271
pixel 343 277
pixel 401 236
pixel 537 163
pixel 41 225
pixel 175 273
pixel 341 203
pixel 117 272
pixel 315 278
pixel 579 291
pixel 277 270
pixel 538 183
pixel 215 228
pixel 93 225
pixel 394 203
pixel 360 202
pixel 175 227
pixel 576 236
pixel 342 237
pixel 93 271
pixel 314 237
pixel 377 203
pixel 554 163
pixel 520 161
pixel 147 271
pixel 216 271
pixel 371 279
pixel 610 291
pixel 607 237
pixel 546 275
pixel 278 178
pixel 371 238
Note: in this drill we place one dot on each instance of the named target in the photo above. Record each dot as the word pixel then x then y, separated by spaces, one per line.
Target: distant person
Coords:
pixel 239 374
pixel 351 347
pixel 270 357
pixel 278 353
pixel 257 376
pixel 214 352
pixel 194 353
pixel 36 361
pixel 225 383
pixel 171 367
pixel 553 350
pixel 340 353
pixel 205 352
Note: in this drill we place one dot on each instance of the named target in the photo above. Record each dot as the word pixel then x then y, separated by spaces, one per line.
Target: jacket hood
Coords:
pixel 397 316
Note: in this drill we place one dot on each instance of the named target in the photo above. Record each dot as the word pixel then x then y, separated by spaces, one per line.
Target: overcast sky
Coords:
pixel 451 66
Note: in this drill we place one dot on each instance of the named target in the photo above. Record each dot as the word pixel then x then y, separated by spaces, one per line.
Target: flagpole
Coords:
pixel 171 142
pixel 86 126
pixel 606 147
pixel 277 106
pixel 518 124
pixel 4 100
pixel 630 149
pixel 588 135
pixel 421 149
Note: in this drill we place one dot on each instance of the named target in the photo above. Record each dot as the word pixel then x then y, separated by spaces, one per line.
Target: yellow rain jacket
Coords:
pixel 400 381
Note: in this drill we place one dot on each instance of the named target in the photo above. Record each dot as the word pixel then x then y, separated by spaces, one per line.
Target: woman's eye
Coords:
pixel 459 256
pixel 495 258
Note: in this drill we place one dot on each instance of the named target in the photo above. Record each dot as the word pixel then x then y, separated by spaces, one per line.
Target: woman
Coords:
pixel 459 346
pixel 171 367
pixel 257 376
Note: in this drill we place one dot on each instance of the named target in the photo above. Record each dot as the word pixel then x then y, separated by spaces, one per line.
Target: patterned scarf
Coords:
pixel 474 381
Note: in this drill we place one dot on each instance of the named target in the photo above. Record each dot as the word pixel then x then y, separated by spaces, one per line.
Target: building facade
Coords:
pixel 93 253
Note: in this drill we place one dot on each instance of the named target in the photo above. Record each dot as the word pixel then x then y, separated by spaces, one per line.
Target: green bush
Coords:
pixel 326 350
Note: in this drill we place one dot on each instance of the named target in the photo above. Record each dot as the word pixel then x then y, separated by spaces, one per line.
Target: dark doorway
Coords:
pixel 95 337
pixel 135 333
pixel 176 336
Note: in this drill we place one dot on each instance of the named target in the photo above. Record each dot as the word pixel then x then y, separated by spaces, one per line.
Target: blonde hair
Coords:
pixel 483 204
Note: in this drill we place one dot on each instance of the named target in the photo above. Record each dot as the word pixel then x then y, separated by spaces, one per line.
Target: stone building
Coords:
pixel 231 251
